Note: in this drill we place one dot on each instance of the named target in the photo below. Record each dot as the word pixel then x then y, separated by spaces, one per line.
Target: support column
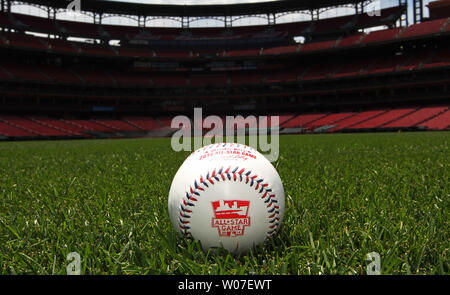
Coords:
pixel 418 11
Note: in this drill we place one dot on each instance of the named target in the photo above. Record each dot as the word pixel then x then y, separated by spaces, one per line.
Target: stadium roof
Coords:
pixel 127 8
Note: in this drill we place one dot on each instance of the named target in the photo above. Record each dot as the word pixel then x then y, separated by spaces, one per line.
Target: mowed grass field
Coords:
pixel 346 195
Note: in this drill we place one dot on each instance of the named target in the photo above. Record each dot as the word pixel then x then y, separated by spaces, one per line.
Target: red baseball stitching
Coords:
pixel 227 174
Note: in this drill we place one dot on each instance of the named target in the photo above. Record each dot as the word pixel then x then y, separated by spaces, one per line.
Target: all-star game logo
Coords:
pixel 230 217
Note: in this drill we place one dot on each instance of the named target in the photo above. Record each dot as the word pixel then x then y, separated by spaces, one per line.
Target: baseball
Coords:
pixel 227 195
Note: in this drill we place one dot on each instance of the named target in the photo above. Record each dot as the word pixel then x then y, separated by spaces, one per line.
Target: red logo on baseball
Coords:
pixel 230 217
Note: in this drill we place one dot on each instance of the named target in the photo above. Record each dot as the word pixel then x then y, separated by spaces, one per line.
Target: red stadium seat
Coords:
pixel 246 52
pixel 346 123
pixel 416 117
pixel 61 75
pixel 303 120
pixel 281 50
pixel 352 68
pixel 144 123
pixel 88 125
pixel 31 126
pixel 382 36
pixel 328 120
pixel 24 72
pixel 116 125
pixel 425 28
pixel 320 71
pixel 26 41
pixel 386 64
pixel 318 46
pixel 383 119
pixel 438 122
pixel 14 131
pixel 440 58
pixel 350 40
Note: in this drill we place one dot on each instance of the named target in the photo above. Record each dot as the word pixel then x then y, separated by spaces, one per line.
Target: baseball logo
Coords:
pixel 227 195
pixel 231 220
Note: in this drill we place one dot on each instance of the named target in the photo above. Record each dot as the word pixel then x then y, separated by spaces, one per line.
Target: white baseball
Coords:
pixel 227 195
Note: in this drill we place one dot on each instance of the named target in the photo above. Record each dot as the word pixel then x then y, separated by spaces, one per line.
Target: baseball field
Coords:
pixel 347 195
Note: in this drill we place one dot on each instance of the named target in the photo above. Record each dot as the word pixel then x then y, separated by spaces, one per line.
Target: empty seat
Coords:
pixel 424 28
pixel 317 46
pixel 144 123
pixel 8 130
pixel 88 125
pixel 302 120
pixel 439 122
pixel 31 126
pixel 382 119
pixel 382 35
pixel 416 117
pixel 348 122
pixel 329 120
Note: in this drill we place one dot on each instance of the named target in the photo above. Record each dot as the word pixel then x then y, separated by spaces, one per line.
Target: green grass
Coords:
pixel 346 195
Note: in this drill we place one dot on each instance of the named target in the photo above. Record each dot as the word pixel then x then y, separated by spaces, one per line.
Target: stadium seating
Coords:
pixel 318 46
pixel 258 63
pixel 284 76
pixel 95 76
pixel 144 123
pixel 31 126
pixel 66 128
pixel 134 52
pixel 24 72
pixel 208 80
pixel 363 116
pixel 14 131
pixel 302 120
pixel 381 36
pixel 116 124
pixel 425 28
pixel 242 78
pixel 169 80
pixel 329 120
pixel 281 50
pixel 24 40
pixel 61 74
pixel 416 117
pixel 320 71
pixel 440 58
pixel 383 119
pixel 62 46
pixel 164 121
pixel 438 122
pixel 88 125
pixel 117 32
pixel 414 61
pixel 172 54
pixel 244 52
pixel 386 64
pixel 352 68
pixel 433 118
pixel 131 79
pixel 270 123
pixel 350 41
pixel 95 49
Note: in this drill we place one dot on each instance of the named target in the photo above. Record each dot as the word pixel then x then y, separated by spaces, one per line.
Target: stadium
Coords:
pixel 362 96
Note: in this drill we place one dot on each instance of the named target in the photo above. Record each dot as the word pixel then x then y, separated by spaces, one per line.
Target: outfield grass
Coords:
pixel 347 195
